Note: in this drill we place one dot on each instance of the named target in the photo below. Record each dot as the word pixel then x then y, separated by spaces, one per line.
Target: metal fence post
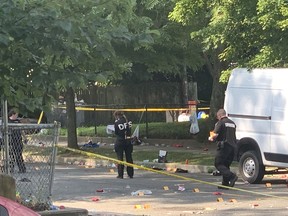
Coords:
pixel 6 138
pixel 56 131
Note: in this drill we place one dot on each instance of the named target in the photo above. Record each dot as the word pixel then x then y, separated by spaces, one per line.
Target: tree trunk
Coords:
pixel 184 85
pixel 218 89
pixel 71 119
pixel 217 96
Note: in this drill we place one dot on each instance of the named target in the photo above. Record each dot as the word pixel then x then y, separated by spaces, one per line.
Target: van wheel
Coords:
pixel 250 167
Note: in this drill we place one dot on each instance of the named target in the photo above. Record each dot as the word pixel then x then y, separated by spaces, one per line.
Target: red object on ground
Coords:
pixel 11 208
pixel 61 207
pixel 217 193
pixel 177 145
pixel 95 199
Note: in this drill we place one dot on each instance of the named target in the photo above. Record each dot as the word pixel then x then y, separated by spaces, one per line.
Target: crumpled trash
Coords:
pixel 53 207
pixel 90 144
pixel 217 193
pixel 254 205
pixel 181 188
pixel 141 192
pixel 95 199
pixel 179 170
pixel 157 168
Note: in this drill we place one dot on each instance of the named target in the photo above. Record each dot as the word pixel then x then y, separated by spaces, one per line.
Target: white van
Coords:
pixel 257 101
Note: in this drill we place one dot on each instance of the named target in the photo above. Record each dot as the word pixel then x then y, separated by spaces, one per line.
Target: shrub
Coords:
pixel 156 130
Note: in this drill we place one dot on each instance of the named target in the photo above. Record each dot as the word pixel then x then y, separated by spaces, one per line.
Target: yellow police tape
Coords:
pixel 168 174
pixel 133 110
pixel 40 117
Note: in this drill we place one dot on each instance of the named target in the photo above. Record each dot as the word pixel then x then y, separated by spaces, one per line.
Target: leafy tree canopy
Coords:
pixel 247 33
pixel 51 45
pixel 171 51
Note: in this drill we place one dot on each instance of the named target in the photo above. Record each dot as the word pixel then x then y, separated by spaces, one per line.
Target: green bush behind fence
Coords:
pixel 155 130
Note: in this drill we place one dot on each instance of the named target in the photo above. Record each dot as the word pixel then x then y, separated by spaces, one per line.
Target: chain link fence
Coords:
pixel 28 153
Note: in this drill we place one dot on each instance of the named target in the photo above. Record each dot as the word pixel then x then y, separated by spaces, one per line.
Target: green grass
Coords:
pixel 141 155
pixel 156 130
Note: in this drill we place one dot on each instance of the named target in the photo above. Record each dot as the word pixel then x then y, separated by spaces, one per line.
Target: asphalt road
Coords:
pixel 98 191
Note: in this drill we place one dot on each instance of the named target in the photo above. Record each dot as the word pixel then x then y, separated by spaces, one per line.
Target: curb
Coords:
pixel 92 163
pixel 65 212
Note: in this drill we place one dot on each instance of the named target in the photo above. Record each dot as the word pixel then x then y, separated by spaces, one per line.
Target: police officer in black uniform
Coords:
pixel 123 143
pixel 224 135
pixel 15 143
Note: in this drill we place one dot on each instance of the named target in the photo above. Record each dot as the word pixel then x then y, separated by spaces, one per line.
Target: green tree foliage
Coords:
pixel 49 46
pixel 247 33
pixel 255 33
pixel 172 57
pixel 234 33
pixel 205 23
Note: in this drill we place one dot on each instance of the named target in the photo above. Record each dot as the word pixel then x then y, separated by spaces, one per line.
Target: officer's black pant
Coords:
pixel 15 153
pixel 223 159
pixel 121 147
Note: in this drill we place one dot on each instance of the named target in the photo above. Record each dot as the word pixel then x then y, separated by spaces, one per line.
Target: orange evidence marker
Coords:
pixel 220 199
pixel 233 200
pixel 147 206
pixel 166 188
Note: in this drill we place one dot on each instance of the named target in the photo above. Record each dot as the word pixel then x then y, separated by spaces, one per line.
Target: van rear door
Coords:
pixel 279 128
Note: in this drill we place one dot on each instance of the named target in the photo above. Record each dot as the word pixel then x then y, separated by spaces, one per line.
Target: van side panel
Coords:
pixel 249 101
pixel 251 113
pixel 257 101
